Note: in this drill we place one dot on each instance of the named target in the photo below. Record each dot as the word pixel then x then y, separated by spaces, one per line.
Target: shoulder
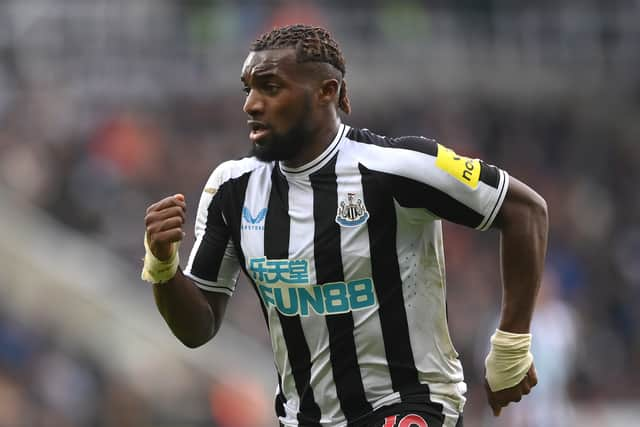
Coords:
pixel 379 151
pixel 233 169
pixel 414 143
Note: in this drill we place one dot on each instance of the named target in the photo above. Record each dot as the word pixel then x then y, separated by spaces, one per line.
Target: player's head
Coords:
pixel 294 79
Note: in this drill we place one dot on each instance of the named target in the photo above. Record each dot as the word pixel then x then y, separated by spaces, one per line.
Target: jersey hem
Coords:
pixel 503 186
pixel 452 406
pixel 209 285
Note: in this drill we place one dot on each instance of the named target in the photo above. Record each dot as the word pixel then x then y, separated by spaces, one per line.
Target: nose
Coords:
pixel 253 104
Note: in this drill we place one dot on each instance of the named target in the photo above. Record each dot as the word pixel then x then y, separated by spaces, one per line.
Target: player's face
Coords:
pixel 279 104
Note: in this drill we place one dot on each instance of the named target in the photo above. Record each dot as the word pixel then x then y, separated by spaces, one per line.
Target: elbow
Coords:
pixel 194 341
pixel 541 215
pixel 533 220
pixel 539 211
pixel 526 211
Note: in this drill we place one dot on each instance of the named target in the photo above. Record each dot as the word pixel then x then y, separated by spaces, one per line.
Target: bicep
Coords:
pixel 218 303
pixel 519 203
pixel 213 265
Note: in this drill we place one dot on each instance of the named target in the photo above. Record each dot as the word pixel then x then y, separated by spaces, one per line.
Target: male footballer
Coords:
pixel 339 232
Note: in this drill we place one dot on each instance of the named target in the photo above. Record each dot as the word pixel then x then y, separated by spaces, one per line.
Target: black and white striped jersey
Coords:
pixel 346 256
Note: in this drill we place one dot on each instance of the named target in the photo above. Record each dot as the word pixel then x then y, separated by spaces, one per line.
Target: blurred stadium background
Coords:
pixel 108 105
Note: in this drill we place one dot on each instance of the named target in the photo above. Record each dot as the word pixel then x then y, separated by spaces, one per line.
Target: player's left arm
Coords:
pixel 523 224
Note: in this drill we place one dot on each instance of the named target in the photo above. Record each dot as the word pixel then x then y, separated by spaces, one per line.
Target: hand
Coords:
pixel 499 399
pixel 163 222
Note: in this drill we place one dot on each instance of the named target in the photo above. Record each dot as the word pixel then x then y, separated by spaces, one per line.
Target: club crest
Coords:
pixel 352 212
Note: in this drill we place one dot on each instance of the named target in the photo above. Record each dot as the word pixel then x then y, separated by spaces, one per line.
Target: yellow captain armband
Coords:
pixel 509 359
pixel 158 271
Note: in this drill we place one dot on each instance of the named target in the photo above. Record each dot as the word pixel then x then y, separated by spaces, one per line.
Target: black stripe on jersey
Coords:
pixel 280 400
pixel 276 246
pixel 206 263
pixel 414 194
pixel 382 226
pixel 489 174
pixel 233 193
pixel 328 262
pixel 278 202
pixel 414 143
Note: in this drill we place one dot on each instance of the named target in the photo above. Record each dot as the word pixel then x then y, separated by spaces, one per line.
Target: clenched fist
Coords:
pixel 500 399
pixel 164 221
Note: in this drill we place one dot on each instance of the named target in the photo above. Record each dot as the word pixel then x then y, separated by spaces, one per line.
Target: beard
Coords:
pixel 285 145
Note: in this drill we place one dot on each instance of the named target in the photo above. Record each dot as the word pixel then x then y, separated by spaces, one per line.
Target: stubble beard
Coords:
pixel 285 146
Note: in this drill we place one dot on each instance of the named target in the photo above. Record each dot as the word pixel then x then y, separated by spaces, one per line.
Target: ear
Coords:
pixel 329 91
pixel 343 99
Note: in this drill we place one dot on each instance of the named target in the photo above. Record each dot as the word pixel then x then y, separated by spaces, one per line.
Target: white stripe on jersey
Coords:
pixel 503 185
pixel 421 245
pixel 254 209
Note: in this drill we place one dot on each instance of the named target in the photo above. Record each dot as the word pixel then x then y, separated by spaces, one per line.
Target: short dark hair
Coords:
pixel 312 44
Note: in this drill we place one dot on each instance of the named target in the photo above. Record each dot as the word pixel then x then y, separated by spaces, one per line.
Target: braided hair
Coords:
pixel 312 44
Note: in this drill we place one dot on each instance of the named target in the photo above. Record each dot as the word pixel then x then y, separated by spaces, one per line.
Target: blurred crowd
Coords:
pixel 48 380
pixel 44 382
pixel 96 166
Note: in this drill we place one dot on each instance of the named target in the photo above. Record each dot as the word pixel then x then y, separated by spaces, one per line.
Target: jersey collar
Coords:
pixel 317 163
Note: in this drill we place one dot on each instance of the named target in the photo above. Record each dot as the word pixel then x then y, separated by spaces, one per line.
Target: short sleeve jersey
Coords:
pixel 346 256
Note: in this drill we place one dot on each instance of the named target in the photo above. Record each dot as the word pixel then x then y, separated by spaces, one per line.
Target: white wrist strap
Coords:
pixel 157 271
pixel 509 359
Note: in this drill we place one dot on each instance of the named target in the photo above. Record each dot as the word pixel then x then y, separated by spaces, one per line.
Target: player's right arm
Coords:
pixel 193 314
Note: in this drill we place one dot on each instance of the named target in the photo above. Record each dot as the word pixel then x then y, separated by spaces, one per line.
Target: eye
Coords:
pixel 246 90
pixel 272 89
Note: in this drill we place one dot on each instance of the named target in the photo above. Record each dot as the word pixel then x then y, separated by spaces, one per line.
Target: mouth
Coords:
pixel 258 130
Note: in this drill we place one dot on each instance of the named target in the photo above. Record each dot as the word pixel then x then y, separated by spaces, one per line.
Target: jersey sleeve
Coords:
pixel 456 188
pixel 213 264
pixel 424 174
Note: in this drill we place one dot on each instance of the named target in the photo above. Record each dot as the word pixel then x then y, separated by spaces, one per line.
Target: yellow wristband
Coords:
pixel 158 271
pixel 509 359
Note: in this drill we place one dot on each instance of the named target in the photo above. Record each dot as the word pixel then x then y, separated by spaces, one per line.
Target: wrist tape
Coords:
pixel 158 271
pixel 509 359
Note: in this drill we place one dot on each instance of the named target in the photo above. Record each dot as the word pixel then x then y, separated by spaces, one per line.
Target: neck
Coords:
pixel 319 139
